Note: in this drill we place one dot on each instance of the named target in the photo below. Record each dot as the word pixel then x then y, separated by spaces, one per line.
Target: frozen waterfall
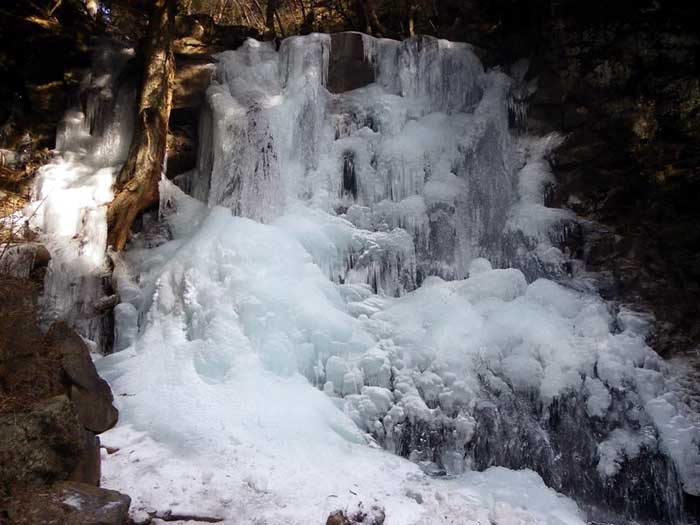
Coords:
pixel 72 191
pixel 358 301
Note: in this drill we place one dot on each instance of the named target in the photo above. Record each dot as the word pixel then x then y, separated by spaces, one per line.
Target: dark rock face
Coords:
pixel 624 88
pixel 52 403
pixel 621 81
pixel 561 444
pixel 69 502
pixel 348 67
pixel 90 393
pixel 38 67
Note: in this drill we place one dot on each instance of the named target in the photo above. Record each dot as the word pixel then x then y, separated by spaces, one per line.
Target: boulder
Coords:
pixel 374 516
pixel 95 411
pixel 69 503
pixel 337 518
pixel 40 446
pixel 88 391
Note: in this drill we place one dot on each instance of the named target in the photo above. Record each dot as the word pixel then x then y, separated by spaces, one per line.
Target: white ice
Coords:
pixel 71 193
pixel 217 413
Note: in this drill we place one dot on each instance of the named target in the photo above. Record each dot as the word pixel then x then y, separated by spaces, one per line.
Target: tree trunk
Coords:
pixel 374 19
pixel 137 182
pixel 270 16
pixel 363 17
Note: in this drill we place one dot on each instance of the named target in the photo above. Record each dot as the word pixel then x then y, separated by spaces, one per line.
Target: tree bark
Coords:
pixel 363 17
pixel 137 182
pixel 270 16
pixel 374 19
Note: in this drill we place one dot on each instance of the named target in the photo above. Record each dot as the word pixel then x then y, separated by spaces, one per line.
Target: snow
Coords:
pixel 73 500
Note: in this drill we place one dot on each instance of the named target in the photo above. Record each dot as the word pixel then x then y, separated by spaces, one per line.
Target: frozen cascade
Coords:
pixel 332 308
pixel 424 149
pixel 71 194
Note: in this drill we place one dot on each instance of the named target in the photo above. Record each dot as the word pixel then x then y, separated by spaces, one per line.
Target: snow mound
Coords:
pixel 217 413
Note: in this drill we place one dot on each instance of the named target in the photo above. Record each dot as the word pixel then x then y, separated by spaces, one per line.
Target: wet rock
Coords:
pixel 69 503
pixel 560 443
pixel 89 467
pixel 106 303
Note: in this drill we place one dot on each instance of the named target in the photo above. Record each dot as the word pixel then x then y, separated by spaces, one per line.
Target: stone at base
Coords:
pixel 68 502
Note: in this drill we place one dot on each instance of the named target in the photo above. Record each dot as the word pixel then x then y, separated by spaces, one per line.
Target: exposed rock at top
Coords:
pixel 348 67
pixel 197 39
pixel 197 36
pixel 623 86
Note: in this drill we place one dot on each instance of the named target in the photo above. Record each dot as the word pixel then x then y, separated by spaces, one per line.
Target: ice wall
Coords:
pixel 425 150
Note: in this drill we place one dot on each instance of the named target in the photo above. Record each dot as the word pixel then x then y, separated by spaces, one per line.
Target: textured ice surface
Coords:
pixel 347 289
pixel 238 324
pixel 72 191
pixel 218 416
pixel 425 149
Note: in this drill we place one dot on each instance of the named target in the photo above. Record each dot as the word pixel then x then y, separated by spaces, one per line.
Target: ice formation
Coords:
pixel 71 193
pixel 219 413
pixel 364 278
pixel 416 173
